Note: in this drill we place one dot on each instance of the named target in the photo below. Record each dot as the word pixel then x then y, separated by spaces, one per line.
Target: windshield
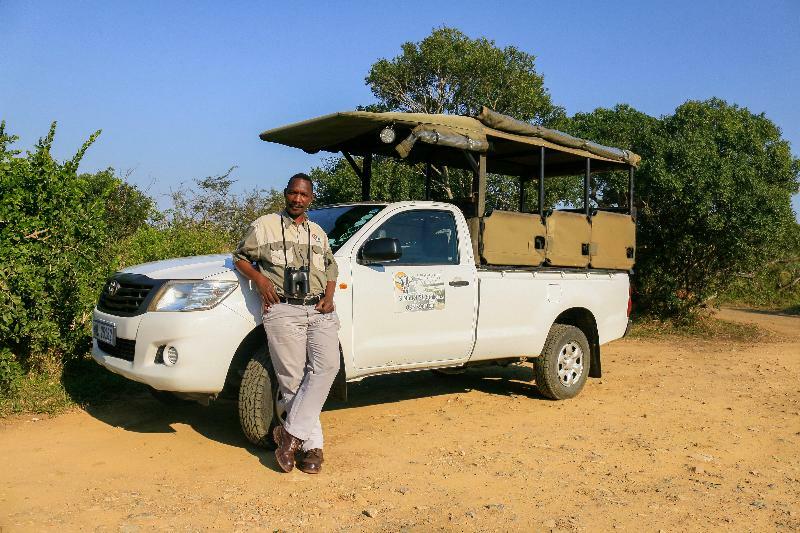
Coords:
pixel 340 223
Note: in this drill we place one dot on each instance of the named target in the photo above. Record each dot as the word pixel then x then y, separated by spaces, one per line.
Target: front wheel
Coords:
pixel 563 367
pixel 257 413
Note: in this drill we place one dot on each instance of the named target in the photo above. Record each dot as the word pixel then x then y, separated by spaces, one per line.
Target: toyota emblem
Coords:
pixel 113 287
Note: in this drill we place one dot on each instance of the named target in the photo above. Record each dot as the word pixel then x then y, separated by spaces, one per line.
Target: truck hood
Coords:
pixel 198 267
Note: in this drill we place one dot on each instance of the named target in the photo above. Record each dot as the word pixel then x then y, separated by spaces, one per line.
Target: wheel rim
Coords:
pixel 570 364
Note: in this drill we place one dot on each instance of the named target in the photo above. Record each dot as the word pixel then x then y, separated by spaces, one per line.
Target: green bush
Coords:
pixel 775 283
pixel 54 252
pixel 10 373
pixel 155 243
pixel 714 197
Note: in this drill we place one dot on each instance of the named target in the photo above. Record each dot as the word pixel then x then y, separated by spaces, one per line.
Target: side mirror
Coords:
pixel 381 250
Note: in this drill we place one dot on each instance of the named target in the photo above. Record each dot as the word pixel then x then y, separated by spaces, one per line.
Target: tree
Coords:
pixel 210 203
pixel 126 207
pixel 447 72
pixel 714 196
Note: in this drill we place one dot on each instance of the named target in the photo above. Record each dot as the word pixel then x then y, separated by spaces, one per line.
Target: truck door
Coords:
pixel 422 307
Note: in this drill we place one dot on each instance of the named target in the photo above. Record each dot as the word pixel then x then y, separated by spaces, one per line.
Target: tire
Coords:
pixel 257 414
pixel 167 397
pixel 562 368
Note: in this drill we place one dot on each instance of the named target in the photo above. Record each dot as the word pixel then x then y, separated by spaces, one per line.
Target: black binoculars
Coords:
pixel 296 282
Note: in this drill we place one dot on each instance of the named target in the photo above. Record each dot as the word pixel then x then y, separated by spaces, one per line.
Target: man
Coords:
pixel 299 318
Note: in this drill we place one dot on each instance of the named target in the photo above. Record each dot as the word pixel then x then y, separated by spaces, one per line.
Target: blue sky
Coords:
pixel 182 89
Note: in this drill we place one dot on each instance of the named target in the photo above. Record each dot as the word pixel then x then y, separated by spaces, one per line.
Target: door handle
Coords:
pixel 458 283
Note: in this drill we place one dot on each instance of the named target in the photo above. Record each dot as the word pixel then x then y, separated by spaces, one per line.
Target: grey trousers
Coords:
pixel 304 347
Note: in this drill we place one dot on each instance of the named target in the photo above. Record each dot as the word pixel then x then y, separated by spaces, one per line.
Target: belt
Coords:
pixel 308 300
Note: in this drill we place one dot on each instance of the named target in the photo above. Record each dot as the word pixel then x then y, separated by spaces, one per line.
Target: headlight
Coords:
pixel 192 295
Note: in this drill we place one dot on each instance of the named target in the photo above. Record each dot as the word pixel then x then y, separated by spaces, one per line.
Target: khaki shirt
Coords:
pixel 263 244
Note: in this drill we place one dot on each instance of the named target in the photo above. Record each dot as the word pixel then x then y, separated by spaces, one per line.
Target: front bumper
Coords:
pixel 205 340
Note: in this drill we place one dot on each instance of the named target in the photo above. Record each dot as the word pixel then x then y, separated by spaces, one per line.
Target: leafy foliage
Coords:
pixel 11 373
pixel 53 249
pixel 714 196
pixel 774 283
pixel 62 234
pixel 204 219
pixel 447 72
pixel 126 208
pixel 392 180
pixel 211 204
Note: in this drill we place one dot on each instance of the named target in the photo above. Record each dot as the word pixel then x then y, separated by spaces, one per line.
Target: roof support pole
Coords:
pixel 631 208
pixel 586 185
pixel 364 173
pixel 353 165
pixel 428 173
pixel 470 160
pixel 541 182
pixel 522 194
pixel 366 180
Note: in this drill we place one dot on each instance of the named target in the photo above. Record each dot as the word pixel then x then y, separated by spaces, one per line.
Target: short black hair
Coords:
pixel 301 176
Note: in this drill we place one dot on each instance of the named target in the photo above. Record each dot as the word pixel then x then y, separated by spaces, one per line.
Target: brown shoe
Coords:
pixel 310 461
pixel 288 445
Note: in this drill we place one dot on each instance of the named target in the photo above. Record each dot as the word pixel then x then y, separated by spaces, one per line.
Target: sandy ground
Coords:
pixel 678 435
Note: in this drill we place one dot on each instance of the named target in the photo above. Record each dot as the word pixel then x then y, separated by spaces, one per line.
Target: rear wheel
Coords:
pixel 563 367
pixel 257 405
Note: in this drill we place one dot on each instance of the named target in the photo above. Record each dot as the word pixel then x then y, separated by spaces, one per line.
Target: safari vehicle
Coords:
pixel 423 284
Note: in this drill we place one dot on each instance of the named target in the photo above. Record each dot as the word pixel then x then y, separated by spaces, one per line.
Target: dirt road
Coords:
pixel 678 435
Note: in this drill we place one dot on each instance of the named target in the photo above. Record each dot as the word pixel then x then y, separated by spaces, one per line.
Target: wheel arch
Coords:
pixel 583 319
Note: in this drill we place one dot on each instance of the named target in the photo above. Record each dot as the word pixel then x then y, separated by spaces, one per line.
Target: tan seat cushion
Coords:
pixel 568 236
pixel 509 238
pixel 613 239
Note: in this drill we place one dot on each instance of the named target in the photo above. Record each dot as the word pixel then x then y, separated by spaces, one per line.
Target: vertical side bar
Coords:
pixel 366 179
pixel 428 171
pixel 541 181
pixel 631 208
pixel 482 185
pixel 522 196
pixel 586 184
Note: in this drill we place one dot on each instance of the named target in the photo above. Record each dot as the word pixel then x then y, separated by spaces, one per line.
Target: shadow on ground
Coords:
pixel 789 311
pixel 138 411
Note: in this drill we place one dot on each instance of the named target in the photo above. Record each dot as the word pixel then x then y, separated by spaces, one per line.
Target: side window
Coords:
pixel 426 237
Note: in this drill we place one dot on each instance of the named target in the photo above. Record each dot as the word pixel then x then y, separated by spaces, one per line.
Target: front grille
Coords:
pixel 132 296
pixel 123 350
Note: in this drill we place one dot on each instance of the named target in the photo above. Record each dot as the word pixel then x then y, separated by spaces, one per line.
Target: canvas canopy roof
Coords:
pixel 512 147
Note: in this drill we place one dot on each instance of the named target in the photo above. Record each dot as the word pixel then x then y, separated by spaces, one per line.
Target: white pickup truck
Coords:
pixel 192 325
pixel 420 285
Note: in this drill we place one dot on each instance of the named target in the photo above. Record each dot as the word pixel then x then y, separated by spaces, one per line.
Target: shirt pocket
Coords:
pixel 276 254
pixel 317 258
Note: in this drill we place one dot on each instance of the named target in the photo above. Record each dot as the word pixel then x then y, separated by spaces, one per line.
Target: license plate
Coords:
pixel 104 331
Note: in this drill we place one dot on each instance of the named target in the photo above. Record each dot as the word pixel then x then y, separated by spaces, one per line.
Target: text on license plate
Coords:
pixel 104 331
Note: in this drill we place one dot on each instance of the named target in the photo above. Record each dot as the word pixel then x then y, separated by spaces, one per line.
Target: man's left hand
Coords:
pixel 325 305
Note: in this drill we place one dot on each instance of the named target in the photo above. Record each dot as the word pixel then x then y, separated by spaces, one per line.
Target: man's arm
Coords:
pixel 246 252
pixel 264 286
pixel 326 304
pixel 331 273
